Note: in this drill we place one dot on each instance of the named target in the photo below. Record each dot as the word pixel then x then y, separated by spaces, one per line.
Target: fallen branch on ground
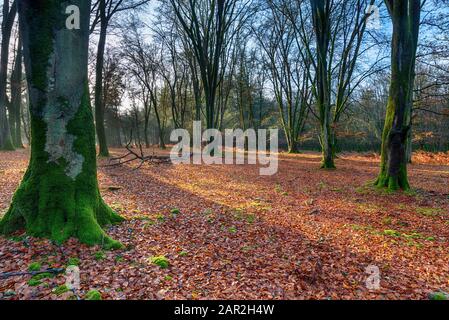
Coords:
pixel 6 275
pixel 132 156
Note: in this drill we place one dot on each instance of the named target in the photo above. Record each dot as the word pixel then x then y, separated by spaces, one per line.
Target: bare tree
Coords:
pixel 209 26
pixel 174 69
pixel 144 66
pixel 104 11
pixel 114 88
pixel 289 73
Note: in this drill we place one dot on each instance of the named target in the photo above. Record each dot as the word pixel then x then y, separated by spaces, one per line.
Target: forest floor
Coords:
pixel 229 233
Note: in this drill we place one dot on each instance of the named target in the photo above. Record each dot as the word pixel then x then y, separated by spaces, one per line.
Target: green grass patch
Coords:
pixel 20 238
pixel 34 283
pixel 250 218
pixel 391 233
pixel 256 204
pixel 369 208
pixel 429 212
pixel 208 212
pixel 357 227
pixel 439 296
pixel 73 261
pixel 370 188
pixel 387 221
pixel 362 190
pixel 140 217
pixel 117 207
pixel 279 190
pixel 160 261
pixel 93 295
pixel 241 215
pixel 247 248
pixel 413 235
pixel 149 224
pixel 408 236
pixel 99 255
pixel 35 266
pixel 61 290
pixel 232 229
pixel 37 279
pixel 119 258
pixel 321 186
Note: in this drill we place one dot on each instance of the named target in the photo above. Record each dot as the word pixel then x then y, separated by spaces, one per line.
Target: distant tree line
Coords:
pixel 317 69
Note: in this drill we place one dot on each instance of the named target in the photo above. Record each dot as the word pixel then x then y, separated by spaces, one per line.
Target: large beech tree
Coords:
pixel 405 16
pixel 59 196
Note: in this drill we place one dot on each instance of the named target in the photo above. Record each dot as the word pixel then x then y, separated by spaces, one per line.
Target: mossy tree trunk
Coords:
pixel 59 196
pixel 9 14
pixel 321 10
pixel 406 18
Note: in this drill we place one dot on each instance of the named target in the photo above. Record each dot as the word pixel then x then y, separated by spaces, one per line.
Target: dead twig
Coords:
pixel 132 156
pixel 6 275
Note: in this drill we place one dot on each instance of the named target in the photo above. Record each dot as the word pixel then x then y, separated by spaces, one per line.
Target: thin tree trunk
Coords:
pixel 99 106
pixel 197 95
pixel 147 141
pixel 210 107
pixel 195 85
pixel 59 197
pixel 136 123
pixel 25 119
pixel 409 152
pixel 16 97
pixel 159 123
pixel 9 13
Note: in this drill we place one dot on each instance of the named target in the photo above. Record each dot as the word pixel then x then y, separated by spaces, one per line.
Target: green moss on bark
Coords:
pixel 327 161
pixel 54 201
pixel 50 204
pixel 385 178
pixel 393 169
